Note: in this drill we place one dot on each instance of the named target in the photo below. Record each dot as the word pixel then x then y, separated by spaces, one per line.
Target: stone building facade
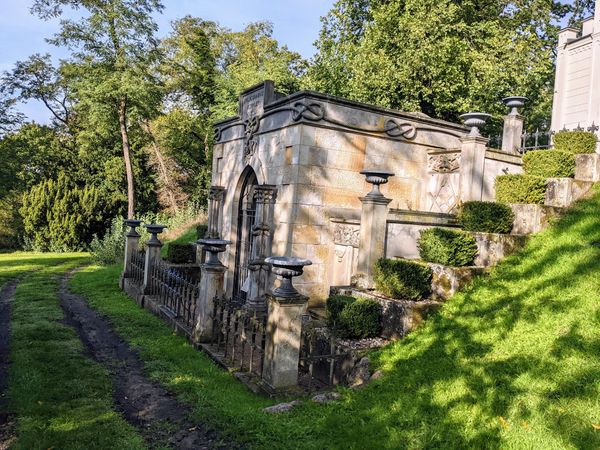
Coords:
pixel 576 103
pixel 287 180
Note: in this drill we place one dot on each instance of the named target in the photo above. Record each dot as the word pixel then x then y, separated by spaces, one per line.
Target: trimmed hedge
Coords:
pixel 181 253
pixel 519 188
pixel 575 141
pixel 361 319
pixel 201 231
pixel 335 305
pixel 549 163
pixel 486 217
pixel 448 247
pixel 401 278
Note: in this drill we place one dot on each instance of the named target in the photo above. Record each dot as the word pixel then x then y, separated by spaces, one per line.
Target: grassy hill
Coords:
pixel 514 362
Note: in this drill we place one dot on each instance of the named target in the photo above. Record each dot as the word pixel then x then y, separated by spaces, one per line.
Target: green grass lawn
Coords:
pixel 61 398
pixel 514 362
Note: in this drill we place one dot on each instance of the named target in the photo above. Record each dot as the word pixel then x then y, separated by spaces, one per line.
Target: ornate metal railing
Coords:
pixel 175 291
pixel 320 355
pixel 136 268
pixel 538 140
pixel 239 336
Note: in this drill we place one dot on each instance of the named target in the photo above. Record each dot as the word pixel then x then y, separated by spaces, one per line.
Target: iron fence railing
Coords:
pixel 239 335
pixel 175 291
pixel 136 268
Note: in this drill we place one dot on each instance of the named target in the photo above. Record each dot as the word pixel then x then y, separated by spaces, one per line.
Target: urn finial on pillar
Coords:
pixel 152 253
pixel 475 120
pixel 513 124
pixel 373 224
pixel 132 239
pixel 212 276
pixel 286 307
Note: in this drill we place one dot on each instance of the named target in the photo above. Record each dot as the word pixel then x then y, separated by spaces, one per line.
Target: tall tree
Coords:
pixel 114 53
pixel 440 57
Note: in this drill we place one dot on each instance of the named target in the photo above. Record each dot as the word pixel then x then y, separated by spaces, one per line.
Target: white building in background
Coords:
pixel 577 84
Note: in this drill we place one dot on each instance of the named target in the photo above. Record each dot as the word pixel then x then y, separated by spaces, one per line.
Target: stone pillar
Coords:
pixel 286 306
pixel 560 78
pixel 132 240
pixel 472 159
pixel 373 225
pixel 211 287
pixel 153 247
pixel 262 242
pixel 216 195
pixel 513 125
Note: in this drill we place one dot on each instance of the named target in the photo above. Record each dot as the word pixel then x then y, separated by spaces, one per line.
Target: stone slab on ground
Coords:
pixel 492 247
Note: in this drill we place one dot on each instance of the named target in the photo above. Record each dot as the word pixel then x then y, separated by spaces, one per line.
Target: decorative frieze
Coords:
pixel 443 163
pixel 346 234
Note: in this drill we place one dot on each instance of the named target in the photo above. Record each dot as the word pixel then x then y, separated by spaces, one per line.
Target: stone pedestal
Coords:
pixel 284 327
pixel 211 287
pixel 262 232
pixel 152 254
pixel 373 222
pixel 132 240
pixel 472 161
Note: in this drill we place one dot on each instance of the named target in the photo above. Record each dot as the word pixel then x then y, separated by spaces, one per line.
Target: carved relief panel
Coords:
pixel 443 187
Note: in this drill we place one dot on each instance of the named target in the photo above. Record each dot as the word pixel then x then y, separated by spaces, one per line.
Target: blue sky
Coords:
pixel 296 24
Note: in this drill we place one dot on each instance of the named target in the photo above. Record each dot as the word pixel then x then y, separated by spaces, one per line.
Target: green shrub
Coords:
pixel 575 141
pixel 109 249
pixel 448 247
pixel 11 225
pixel 549 163
pixel 181 253
pixel 519 188
pixel 58 215
pixel 201 231
pixel 335 305
pixel 361 319
pixel 401 278
pixel 486 217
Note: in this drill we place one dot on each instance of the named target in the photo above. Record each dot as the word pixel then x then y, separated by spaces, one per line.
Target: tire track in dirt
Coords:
pixel 155 412
pixel 7 426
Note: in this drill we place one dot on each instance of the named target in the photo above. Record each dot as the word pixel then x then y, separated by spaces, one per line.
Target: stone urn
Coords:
pixel 287 267
pixel 154 229
pixel 213 247
pixel 514 103
pixel 133 224
pixel 475 120
pixel 376 177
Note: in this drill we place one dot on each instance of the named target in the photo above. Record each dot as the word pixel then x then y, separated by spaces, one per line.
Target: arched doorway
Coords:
pixel 245 221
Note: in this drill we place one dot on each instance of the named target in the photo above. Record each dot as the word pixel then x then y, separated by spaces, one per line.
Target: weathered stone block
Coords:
pixel 587 167
pixel 558 192
pixel 492 247
pixel 533 218
pixel 446 281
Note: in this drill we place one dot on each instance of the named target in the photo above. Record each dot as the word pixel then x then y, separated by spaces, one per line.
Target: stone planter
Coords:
pixel 531 219
pixel 446 281
pixel 587 167
pixel 492 247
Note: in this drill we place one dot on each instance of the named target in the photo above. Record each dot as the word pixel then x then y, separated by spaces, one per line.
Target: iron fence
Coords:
pixel 136 268
pixel 538 140
pixel 239 336
pixel 175 291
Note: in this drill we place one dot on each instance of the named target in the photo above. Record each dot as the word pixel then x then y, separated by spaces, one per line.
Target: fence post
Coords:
pixel 211 286
pixel 472 159
pixel 284 326
pixel 373 221
pixel 132 239
pixel 152 254
pixel 513 125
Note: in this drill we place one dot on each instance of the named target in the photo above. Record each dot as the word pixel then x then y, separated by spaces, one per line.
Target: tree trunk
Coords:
pixel 127 158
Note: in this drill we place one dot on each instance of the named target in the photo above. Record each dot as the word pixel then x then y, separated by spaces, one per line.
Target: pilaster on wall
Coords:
pixel 472 165
pixel 560 79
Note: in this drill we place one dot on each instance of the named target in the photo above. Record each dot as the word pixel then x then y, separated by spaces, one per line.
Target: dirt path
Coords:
pixel 7 428
pixel 155 412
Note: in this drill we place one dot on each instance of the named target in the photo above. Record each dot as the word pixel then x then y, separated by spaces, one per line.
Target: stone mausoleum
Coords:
pixel 340 183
